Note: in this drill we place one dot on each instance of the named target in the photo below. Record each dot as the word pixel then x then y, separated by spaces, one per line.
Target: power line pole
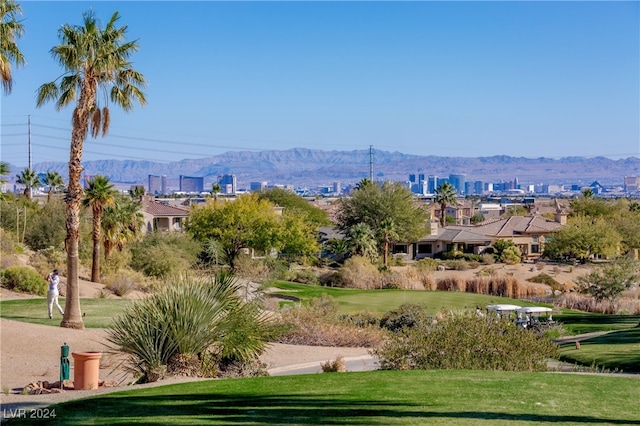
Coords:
pixel 371 163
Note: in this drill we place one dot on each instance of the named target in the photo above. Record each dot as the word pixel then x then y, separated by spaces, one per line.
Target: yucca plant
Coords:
pixel 192 316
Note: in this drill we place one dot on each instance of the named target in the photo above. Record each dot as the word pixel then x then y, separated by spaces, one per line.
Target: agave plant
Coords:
pixel 192 316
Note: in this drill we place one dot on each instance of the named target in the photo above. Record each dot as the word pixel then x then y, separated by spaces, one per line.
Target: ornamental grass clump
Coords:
pixel 191 321
pixel 463 340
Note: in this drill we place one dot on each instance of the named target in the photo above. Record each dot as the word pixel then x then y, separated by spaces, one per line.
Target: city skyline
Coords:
pixel 550 79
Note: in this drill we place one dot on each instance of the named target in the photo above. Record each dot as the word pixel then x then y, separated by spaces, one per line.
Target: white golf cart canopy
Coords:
pixel 534 310
pixel 502 308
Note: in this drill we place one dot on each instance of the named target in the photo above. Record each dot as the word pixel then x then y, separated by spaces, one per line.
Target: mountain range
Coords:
pixel 301 166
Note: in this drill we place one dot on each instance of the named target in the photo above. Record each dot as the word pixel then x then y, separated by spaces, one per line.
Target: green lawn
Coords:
pixel 618 350
pixel 99 312
pixel 371 398
pixel 581 322
pixel 382 301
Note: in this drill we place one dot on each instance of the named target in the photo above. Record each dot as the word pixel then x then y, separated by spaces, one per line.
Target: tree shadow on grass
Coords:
pixel 285 409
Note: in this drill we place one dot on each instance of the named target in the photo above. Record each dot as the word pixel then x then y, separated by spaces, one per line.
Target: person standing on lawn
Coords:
pixel 54 292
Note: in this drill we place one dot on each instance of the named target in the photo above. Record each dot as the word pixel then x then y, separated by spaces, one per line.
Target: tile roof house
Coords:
pixel 160 216
pixel 528 233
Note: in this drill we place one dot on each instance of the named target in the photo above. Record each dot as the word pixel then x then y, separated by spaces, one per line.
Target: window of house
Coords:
pixel 400 248
pixel 534 239
pixel 535 248
pixel 425 249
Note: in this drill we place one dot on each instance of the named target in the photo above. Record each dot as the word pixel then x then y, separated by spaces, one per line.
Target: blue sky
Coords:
pixel 468 79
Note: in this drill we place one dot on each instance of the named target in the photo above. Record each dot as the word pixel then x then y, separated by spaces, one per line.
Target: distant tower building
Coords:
pixel 468 188
pixel 478 187
pixel 412 179
pixel 229 184
pixel 516 184
pixel 432 184
pixel 257 186
pixel 337 189
pixel 157 185
pixel 191 184
pixel 458 181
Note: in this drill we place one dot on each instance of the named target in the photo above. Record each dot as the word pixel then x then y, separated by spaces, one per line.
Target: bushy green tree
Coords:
pixel 374 205
pixel 608 281
pixel 244 223
pixel 292 202
pixel 46 227
pixel 583 237
pixel 23 278
pixel 163 254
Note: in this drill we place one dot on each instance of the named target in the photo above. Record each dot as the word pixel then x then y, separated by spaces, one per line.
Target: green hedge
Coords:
pixel 22 278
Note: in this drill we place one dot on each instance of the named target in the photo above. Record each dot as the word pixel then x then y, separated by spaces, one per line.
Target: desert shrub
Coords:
pixel 462 340
pixel 117 261
pixel 257 269
pixel 193 316
pixel 317 324
pixel 163 254
pixel 487 272
pixel 396 261
pixel 331 279
pixel 305 276
pixel 456 265
pixel 334 366
pixel 488 259
pixel 543 278
pixel 361 319
pixel 511 255
pixel 426 265
pixel 48 259
pixel 406 315
pixel 359 272
pixel 47 228
pixel 23 278
pixel 124 281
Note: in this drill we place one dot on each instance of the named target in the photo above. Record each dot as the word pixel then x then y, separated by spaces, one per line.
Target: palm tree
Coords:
pixel 4 170
pixel 215 190
pixel 10 30
pixel 121 223
pixel 388 231
pixel 54 181
pixel 29 179
pixel 99 194
pixel 138 192
pixel 96 64
pixel 587 193
pixel 363 183
pixel 361 240
pixel 445 194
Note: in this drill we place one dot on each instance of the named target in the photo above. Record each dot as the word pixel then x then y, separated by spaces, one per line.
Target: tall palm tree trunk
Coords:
pixel 95 265
pixel 72 314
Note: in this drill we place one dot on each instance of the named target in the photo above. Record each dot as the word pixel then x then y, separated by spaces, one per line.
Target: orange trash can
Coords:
pixel 86 370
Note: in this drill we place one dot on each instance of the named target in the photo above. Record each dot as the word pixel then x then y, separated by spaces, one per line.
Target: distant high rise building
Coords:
pixel 191 184
pixel 257 186
pixel 432 184
pixel 458 181
pixel 157 185
pixel 478 187
pixel 631 183
pixel 412 179
pixel 229 184
pixel 337 189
